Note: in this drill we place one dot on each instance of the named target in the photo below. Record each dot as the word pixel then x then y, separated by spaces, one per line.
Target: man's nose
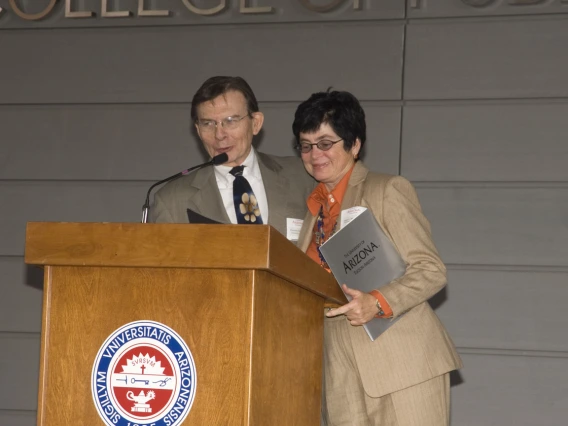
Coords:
pixel 220 132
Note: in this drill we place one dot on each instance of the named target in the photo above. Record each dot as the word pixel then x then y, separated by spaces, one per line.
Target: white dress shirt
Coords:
pixel 252 173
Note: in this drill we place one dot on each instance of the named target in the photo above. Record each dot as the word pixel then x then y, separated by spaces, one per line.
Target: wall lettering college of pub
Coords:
pixel 143 10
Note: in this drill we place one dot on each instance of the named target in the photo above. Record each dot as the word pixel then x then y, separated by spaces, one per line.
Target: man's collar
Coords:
pixel 251 168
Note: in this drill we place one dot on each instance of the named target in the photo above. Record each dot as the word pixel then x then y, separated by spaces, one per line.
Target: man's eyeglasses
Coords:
pixel 323 145
pixel 227 123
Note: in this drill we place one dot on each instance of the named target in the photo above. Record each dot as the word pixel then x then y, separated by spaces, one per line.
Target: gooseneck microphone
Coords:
pixel 215 161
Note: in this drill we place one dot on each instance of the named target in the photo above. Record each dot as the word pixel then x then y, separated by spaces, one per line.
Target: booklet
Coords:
pixel 361 256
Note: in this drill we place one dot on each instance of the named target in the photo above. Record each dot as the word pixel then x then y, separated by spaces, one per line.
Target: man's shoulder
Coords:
pixel 290 170
pixel 281 164
pixel 184 184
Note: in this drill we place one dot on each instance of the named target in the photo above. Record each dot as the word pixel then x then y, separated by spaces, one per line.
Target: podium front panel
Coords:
pixel 210 309
pixel 255 338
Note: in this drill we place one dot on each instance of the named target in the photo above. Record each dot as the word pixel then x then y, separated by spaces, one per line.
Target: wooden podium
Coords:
pixel 246 301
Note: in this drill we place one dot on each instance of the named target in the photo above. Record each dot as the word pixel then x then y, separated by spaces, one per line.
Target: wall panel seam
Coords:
pixel 67 181
pixel 19 335
pixel 499 18
pixel 11 256
pixel 491 184
pixel 513 101
pixel 527 353
pixel 17 412
pixel 412 20
pixel 560 269
pixel 263 102
pixel 293 24
pixel 405 102
pixel 417 183
pixel 402 80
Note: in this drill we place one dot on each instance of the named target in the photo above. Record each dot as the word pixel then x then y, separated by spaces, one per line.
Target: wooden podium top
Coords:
pixel 177 246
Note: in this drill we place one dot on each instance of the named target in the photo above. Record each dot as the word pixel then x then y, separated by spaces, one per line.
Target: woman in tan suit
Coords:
pixel 401 378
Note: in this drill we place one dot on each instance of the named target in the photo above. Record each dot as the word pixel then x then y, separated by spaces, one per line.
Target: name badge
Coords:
pixel 293 227
pixel 348 215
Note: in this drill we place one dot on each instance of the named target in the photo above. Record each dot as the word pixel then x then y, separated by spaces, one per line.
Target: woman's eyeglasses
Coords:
pixel 323 145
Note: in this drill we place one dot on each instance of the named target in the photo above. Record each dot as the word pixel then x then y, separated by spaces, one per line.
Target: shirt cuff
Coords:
pixel 383 302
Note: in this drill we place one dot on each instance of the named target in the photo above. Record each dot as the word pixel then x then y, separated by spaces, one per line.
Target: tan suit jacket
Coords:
pixel 416 348
pixel 285 180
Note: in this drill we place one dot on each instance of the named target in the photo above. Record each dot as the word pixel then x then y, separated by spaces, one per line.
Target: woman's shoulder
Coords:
pixel 378 185
pixel 384 179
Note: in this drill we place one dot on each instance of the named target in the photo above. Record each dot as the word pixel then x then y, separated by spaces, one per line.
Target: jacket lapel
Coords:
pixel 354 193
pixel 305 237
pixel 207 199
pixel 275 185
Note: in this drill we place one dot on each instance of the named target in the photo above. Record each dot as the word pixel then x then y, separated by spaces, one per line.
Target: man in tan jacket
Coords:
pixel 226 116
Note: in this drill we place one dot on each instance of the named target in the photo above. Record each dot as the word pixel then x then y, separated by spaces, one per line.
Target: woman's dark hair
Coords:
pixel 217 86
pixel 340 110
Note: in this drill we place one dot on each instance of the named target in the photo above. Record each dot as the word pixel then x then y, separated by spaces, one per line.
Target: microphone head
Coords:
pixel 220 159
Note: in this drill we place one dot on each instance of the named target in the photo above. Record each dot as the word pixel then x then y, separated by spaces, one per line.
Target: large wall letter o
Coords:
pixel 329 7
pixel 32 16
pixel 211 11
pixel 478 3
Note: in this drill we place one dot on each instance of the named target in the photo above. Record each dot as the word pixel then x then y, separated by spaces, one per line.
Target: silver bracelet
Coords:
pixel 380 308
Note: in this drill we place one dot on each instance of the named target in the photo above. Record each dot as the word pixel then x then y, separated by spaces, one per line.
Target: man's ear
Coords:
pixel 197 130
pixel 257 121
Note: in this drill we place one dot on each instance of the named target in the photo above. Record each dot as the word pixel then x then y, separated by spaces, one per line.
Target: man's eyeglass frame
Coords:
pixel 232 119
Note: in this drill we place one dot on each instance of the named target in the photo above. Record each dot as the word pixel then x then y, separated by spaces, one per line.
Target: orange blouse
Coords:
pixel 329 202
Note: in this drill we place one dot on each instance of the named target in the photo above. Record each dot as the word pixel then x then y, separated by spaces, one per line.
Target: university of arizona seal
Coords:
pixel 143 375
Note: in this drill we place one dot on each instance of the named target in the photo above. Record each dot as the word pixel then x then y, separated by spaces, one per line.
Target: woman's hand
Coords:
pixel 361 309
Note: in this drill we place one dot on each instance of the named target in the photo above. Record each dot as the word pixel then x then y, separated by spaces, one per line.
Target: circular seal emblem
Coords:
pixel 143 374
